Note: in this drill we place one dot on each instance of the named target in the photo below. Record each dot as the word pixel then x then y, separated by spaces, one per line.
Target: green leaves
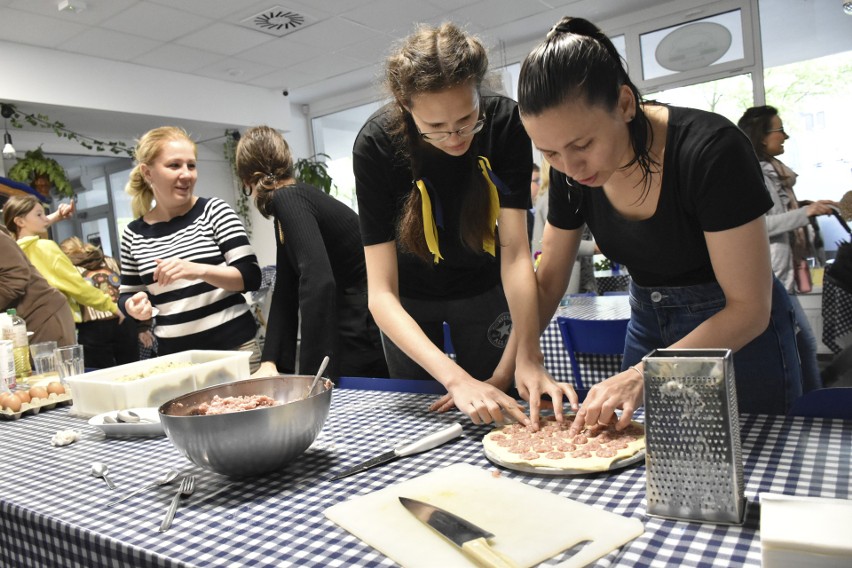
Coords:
pixel 314 172
pixel 36 164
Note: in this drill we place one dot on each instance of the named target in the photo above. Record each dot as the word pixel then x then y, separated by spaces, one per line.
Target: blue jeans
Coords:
pixel 807 342
pixel 767 371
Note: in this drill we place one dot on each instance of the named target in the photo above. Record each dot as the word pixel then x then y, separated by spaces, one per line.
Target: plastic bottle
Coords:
pixel 7 356
pixel 21 348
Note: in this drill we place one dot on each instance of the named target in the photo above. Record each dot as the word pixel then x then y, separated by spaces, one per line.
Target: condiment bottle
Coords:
pixel 21 345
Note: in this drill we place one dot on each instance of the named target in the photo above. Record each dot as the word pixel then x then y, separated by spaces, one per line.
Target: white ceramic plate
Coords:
pixel 123 429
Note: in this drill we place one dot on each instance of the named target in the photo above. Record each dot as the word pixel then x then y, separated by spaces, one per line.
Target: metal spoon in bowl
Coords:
pixel 164 479
pixel 101 470
pixel 322 367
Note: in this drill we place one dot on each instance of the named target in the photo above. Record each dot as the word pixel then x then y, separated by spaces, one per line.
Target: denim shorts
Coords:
pixel 767 370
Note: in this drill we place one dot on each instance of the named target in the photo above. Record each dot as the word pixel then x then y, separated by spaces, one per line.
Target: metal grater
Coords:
pixel 694 455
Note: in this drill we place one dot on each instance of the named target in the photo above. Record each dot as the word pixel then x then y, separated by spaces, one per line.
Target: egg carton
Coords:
pixel 37 405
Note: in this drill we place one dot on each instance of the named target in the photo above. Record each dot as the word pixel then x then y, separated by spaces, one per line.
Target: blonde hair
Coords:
pixel 263 159
pixel 544 179
pixel 18 206
pixel 148 148
pixel 74 246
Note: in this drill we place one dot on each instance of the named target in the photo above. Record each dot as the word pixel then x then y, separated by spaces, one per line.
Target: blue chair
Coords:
pixel 825 403
pixel 592 337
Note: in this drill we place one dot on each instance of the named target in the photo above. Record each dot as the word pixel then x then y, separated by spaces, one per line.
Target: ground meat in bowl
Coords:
pixel 235 404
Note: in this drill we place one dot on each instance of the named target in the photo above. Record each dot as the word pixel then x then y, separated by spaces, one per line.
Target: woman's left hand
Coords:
pixel 445 403
pixel 172 269
pixel 533 382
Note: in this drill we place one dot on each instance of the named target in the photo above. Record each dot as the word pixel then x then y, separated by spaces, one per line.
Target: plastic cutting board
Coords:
pixel 530 525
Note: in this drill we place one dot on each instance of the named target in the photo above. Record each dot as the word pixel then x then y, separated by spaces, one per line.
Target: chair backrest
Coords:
pixel 825 403
pixel 594 337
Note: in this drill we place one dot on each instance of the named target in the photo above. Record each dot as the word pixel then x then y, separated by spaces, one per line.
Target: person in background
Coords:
pixel 787 224
pixel 107 340
pixel 42 306
pixel 583 273
pixel 436 171
pixel 535 188
pixel 188 256
pixel 320 272
pixel 25 218
pixel 701 276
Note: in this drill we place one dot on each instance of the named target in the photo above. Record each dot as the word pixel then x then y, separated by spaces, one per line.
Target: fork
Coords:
pixel 187 486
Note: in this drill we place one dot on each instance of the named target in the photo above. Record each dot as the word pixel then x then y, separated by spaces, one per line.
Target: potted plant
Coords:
pixel 41 173
pixel 314 172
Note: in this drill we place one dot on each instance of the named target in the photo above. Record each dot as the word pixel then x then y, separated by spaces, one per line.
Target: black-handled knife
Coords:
pixel 425 443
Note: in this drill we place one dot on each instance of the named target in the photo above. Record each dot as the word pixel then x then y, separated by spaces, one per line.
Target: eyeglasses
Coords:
pixel 781 130
pixel 465 132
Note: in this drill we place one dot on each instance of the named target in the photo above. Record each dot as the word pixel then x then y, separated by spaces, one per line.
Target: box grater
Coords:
pixel 694 465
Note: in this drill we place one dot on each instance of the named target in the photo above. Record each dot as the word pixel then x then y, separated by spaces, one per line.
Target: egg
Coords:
pixel 13 403
pixel 23 395
pixel 3 399
pixel 38 392
pixel 55 387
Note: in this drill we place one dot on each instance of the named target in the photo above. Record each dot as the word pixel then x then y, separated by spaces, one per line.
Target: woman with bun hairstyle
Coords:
pixel 188 256
pixel 320 277
pixel 677 196
pixel 437 170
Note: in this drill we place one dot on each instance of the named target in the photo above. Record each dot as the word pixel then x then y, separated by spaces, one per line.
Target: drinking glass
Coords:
pixel 69 361
pixel 45 362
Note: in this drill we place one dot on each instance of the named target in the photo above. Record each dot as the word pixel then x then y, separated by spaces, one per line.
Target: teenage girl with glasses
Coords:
pixel 437 170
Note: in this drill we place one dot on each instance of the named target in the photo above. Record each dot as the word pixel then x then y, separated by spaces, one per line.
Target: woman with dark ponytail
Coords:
pixel 674 194
pixel 436 171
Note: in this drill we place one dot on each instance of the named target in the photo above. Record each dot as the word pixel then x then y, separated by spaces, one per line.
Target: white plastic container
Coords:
pixel 103 391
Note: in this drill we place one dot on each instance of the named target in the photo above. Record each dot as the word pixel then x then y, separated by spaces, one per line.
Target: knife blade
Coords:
pixel 425 443
pixel 842 221
pixel 470 538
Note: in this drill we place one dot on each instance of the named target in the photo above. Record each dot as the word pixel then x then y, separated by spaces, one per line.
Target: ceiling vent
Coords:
pixel 277 21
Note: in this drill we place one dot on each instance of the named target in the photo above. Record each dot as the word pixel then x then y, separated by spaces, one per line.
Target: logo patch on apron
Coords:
pixel 498 332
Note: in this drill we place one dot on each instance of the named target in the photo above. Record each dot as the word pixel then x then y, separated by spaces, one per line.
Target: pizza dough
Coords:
pixel 594 449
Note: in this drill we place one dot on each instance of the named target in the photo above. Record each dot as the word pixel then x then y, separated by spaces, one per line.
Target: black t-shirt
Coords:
pixel 712 181
pixel 383 181
pixel 321 256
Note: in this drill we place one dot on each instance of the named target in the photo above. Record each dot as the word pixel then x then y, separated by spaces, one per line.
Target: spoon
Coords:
pixel 164 479
pixel 130 417
pixel 322 367
pixel 101 470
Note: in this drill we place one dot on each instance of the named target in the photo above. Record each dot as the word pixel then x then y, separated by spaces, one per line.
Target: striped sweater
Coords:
pixel 193 314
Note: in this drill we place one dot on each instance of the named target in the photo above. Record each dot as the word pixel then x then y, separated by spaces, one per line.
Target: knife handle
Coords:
pixel 481 551
pixel 430 441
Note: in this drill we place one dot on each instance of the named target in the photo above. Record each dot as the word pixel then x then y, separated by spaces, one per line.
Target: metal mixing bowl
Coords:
pixel 250 442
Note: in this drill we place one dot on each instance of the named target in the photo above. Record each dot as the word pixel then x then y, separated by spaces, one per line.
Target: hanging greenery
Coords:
pixel 18 118
pixel 242 200
pixel 314 172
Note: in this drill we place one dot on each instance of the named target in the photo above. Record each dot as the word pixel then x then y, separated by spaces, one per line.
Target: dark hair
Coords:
pixel 578 61
pixel 263 159
pixel 755 122
pixel 430 60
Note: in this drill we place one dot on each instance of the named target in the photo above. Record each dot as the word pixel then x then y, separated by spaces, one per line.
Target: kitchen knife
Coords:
pixel 842 221
pixel 425 443
pixel 470 538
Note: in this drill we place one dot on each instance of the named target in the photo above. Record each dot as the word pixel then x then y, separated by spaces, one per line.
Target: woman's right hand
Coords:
pixel 139 307
pixel 821 207
pixel 484 403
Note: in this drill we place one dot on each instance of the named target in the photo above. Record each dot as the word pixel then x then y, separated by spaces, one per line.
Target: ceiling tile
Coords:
pixel 109 44
pixel 216 9
pixel 156 22
pixel 177 58
pixel 374 49
pixel 333 34
pixel 224 39
pixel 235 70
pixel 280 52
pixel 33 29
pixel 394 17
pixel 489 13
pixel 286 79
pixel 95 13
pixel 327 65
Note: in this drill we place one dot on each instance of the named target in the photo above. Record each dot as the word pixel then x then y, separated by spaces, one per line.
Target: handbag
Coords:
pixel 803 277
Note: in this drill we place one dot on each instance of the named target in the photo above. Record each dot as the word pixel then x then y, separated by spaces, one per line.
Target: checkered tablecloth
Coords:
pixel 836 316
pixel 594 368
pixel 53 512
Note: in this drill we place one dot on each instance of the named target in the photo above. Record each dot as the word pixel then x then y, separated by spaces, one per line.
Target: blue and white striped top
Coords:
pixel 193 314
